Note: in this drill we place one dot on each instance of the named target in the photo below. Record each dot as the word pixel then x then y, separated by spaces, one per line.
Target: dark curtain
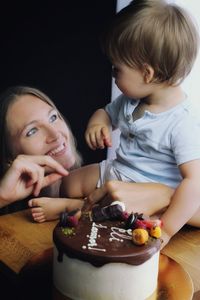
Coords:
pixel 55 46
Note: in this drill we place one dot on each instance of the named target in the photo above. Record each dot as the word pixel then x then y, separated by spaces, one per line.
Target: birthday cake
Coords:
pixel 102 258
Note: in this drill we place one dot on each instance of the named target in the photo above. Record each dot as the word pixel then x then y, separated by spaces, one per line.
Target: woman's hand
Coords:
pixel 27 175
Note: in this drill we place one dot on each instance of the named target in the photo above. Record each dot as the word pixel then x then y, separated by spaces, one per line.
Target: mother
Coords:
pixel 37 147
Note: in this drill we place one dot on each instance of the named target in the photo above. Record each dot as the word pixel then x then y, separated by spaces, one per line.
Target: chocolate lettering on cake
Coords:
pixel 116 234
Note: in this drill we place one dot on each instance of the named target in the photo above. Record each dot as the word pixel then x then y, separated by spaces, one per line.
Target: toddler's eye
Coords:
pixel 31 132
pixel 53 118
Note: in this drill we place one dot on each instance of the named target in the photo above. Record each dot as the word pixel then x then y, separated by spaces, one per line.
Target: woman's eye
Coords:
pixel 31 132
pixel 53 118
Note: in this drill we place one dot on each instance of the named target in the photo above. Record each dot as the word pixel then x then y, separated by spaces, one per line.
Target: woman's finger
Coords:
pixel 45 161
pixel 39 183
pixel 50 178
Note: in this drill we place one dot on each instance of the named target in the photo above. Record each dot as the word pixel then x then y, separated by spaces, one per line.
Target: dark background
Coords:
pixel 55 46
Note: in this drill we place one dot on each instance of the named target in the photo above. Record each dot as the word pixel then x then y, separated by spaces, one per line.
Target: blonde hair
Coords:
pixel 157 33
pixel 11 95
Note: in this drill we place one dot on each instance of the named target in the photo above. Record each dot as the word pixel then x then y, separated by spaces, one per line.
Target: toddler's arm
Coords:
pixel 185 201
pixel 97 134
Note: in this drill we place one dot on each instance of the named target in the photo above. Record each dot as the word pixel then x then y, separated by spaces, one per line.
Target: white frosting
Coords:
pixel 80 280
pixel 119 234
pixel 119 203
pixel 93 237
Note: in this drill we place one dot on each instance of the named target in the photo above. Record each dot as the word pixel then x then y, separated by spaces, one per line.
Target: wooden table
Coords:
pixel 25 255
pixel 184 248
pixel 24 243
pixel 26 246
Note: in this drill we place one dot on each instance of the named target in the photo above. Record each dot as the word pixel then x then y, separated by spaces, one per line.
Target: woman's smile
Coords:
pixel 58 151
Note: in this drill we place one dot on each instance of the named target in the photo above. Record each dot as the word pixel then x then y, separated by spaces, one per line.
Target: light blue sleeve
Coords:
pixel 185 141
pixel 113 110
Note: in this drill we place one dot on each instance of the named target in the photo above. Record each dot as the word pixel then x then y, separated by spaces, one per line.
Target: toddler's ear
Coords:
pixel 148 73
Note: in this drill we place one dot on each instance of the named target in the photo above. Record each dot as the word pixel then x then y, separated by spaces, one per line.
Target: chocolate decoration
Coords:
pixel 100 243
pixel 66 218
pixel 63 218
pixel 130 221
pixel 109 212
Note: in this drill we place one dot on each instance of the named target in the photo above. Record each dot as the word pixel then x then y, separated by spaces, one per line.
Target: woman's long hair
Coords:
pixel 6 99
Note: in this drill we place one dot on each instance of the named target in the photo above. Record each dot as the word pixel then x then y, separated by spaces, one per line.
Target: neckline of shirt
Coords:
pixel 185 104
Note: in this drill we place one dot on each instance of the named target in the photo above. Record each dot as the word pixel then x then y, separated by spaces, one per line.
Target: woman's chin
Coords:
pixel 69 163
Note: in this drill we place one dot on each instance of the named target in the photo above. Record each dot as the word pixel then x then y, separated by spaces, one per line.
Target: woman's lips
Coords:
pixel 57 151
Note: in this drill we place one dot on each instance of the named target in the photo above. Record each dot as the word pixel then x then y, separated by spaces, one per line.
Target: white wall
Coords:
pixel 191 83
pixel 115 93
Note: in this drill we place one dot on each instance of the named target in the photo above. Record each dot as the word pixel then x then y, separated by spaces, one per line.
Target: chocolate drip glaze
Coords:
pixel 100 243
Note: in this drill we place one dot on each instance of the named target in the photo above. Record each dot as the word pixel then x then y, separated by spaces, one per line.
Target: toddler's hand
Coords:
pixel 98 136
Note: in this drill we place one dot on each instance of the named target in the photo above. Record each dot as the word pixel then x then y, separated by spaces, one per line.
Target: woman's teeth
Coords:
pixel 57 150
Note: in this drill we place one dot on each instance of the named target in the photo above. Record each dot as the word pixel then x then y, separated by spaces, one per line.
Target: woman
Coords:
pixel 37 147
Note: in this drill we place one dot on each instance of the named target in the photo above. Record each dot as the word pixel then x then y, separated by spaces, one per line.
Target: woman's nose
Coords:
pixel 52 134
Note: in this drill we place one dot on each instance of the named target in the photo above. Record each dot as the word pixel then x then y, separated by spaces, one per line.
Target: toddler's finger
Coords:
pixel 106 137
pixel 92 141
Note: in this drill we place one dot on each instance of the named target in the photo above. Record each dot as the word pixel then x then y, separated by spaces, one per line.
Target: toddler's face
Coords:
pixel 130 81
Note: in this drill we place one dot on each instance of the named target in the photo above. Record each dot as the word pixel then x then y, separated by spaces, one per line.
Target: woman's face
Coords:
pixel 35 128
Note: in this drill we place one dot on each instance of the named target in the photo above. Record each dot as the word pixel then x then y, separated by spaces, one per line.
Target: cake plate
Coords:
pixel 174 282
